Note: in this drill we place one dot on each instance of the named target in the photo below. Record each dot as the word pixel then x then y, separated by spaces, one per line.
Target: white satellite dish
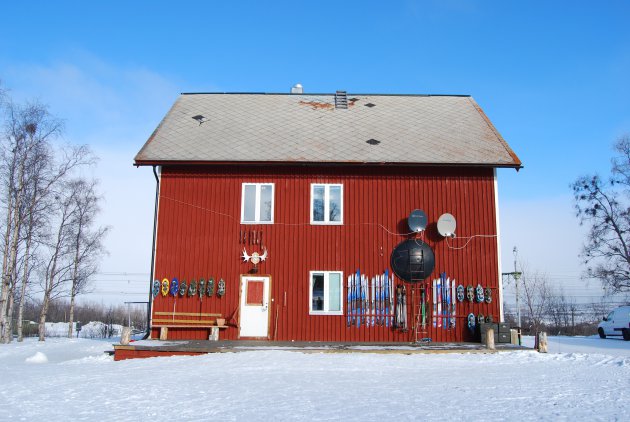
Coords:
pixel 446 225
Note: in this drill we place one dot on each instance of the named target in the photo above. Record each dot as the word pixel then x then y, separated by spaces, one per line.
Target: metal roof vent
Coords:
pixel 297 89
pixel 200 118
pixel 341 99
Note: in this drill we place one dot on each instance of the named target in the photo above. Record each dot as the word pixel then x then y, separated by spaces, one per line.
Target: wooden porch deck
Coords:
pixel 156 348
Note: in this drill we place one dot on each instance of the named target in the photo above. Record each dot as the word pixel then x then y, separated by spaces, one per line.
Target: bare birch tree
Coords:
pixel 28 129
pixel 48 222
pixel 47 175
pixel 87 241
pixel 57 270
pixel 536 297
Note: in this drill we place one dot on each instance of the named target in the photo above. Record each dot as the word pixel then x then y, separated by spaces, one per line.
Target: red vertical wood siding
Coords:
pixel 199 228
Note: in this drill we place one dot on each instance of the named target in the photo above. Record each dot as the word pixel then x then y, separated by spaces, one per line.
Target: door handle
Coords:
pixel 265 306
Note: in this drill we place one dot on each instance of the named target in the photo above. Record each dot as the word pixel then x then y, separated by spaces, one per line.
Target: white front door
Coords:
pixel 254 306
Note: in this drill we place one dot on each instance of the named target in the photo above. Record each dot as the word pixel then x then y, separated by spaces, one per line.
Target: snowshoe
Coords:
pixel 488 295
pixel 221 288
pixel 471 321
pixel 183 288
pixel 174 287
pixel 202 288
pixel 165 286
pixel 460 293
pixel 489 319
pixel 156 288
pixel 192 289
pixel 470 293
pixel 481 319
pixel 479 293
pixel 210 287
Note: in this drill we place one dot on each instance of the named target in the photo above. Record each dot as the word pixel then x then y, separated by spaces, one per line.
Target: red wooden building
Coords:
pixel 314 187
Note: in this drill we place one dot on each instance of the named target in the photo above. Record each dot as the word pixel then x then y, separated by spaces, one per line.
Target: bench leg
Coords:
pixel 214 334
pixel 163 333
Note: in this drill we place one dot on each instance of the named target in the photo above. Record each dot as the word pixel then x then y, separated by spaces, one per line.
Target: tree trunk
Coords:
pixel 4 291
pixel 75 271
pixel 12 263
pixel 71 320
pixel 50 279
pixel 42 316
pixel 20 319
pixel 8 332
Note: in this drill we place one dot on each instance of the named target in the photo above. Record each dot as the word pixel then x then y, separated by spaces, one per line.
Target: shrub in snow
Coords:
pixel 38 357
pixel 93 329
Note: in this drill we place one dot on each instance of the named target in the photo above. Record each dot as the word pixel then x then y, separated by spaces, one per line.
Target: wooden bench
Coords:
pixel 178 320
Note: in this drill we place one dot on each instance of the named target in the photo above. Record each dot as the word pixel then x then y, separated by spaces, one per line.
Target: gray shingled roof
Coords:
pixel 307 128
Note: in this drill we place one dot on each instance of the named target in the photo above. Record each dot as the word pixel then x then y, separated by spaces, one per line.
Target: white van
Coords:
pixel 616 323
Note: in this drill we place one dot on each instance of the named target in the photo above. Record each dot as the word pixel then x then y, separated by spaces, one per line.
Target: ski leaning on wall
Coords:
pixel 400 321
pixel 444 302
pixel 369 301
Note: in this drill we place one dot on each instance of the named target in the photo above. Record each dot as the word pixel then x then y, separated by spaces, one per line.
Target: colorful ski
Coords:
pixel 454 321
pixel 364 298
pixel 434 293
pixel 404 307
pixel 391 298
pixel 423 306
pixel 349 302
pixel 439 296
pixel 386 296
pixel 397 311
pixel 378 299
pixel 359 308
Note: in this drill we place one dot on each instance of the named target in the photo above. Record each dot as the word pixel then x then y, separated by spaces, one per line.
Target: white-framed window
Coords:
pixel 326 203
pixel 325 293
pixel 257 203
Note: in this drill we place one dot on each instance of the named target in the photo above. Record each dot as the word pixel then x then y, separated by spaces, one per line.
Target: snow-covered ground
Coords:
pixel 583 378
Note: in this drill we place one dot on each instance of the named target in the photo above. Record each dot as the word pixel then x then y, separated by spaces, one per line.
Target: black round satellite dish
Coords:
pixel 417 221
pixel 412 260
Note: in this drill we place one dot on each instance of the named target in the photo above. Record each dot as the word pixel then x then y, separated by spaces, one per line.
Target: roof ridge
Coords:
pixel 325 93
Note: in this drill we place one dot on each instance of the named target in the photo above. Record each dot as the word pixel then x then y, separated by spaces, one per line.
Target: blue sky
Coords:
pixel 552 76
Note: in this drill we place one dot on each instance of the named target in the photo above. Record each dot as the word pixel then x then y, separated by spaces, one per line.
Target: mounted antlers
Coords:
pixel 255 258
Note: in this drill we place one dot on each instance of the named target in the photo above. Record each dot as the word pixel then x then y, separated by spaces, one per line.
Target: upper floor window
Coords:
pixel 257 203
pixel 326 203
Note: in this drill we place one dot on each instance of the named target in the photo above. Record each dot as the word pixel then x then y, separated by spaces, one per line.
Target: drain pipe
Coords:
pixel 155 212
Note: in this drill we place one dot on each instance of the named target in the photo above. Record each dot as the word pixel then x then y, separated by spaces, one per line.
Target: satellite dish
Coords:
pixel 417 221
pixel 446 225
pixel 412 260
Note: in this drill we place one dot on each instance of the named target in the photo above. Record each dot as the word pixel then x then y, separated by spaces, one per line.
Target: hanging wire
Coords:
pixel 470 238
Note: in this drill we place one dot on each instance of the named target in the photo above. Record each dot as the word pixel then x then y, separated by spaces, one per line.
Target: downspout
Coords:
pixel 155 212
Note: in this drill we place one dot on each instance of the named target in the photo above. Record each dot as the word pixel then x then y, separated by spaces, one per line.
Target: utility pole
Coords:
pixel 516 277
